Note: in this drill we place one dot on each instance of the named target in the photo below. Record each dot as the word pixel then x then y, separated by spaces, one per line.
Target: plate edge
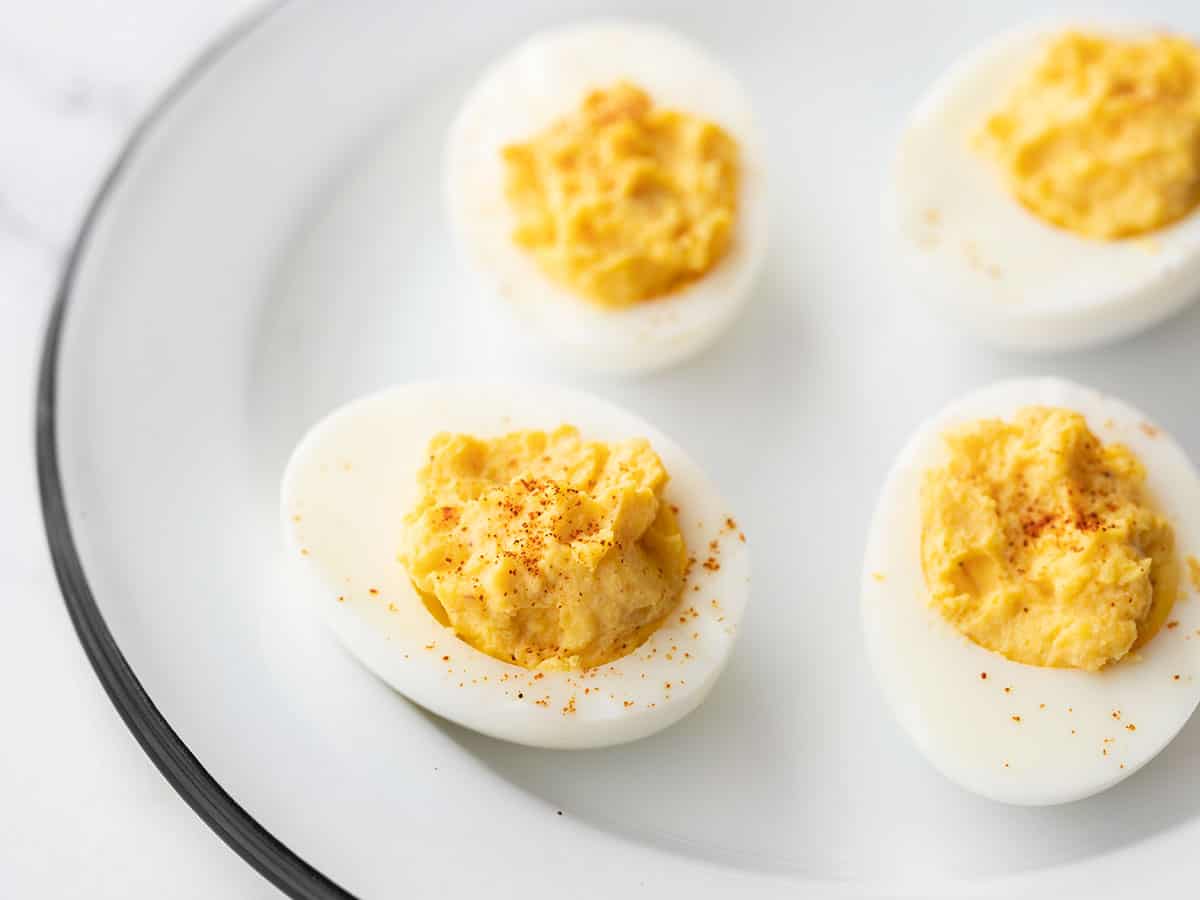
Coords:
pixel 174 760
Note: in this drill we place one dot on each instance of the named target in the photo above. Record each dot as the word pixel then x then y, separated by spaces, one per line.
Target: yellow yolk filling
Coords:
pixel 1102 137
pixel 545 550
pixel 623 201
pixel 1039 543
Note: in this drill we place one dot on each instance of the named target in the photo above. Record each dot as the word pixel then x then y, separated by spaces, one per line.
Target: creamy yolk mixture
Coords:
pixel 545 550
pixel 1038 542
pixel 1102 137
pixel 623 201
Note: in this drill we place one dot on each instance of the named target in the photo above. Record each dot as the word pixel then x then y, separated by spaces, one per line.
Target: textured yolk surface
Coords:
pixel 1103 136
pixel 622 201
pixel 1038 542
pixel 543 549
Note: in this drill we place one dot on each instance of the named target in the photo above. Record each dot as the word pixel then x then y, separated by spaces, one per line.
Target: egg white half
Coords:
pixel 1073 737
pixel 349 484
pixel 969 248
pixel 544 79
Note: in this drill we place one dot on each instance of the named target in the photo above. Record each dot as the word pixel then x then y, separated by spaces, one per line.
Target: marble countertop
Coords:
pixel 85 812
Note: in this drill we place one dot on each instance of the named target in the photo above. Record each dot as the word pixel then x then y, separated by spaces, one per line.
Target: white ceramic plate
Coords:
pixel 273 244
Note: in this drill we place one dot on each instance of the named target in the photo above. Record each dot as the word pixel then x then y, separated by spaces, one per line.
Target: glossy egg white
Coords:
pixel 544 79
pixel 1074 736
pixel 966 245
pixel 346 490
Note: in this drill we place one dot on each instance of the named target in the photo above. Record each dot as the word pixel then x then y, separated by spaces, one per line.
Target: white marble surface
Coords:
pixel 85 813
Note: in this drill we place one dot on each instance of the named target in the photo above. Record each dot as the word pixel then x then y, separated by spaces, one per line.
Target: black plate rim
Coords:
pixel 181 768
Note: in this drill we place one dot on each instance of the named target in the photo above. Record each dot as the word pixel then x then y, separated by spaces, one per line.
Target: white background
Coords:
pixel 84 812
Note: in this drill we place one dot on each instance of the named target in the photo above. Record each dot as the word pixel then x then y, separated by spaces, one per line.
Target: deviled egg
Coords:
pixel 1024 602
pixel 607 181
pixel 556 585
pixel 1044 191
